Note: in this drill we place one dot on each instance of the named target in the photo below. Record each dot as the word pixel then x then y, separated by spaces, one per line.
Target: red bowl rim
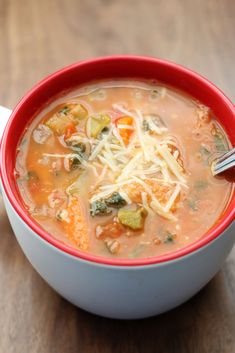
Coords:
pixel 211 235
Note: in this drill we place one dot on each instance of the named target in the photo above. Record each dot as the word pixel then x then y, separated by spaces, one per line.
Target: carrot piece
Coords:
pixel 76 227
pixel 70 129
pixel 125 133
pixel 112 230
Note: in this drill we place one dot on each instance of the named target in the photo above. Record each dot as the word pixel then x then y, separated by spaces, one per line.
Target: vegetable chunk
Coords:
pixel 78 111
pixel 132 219
pixel 64 121
pixel 75 225
pixel 97 123
pixel 112 230
pixel 122 169
pixel 115 200
pixel 125 128
pixel 113 246
pixel 41 134
pixel 100 208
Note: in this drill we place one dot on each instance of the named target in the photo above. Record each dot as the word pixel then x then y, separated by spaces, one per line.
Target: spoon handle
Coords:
pixel 226 161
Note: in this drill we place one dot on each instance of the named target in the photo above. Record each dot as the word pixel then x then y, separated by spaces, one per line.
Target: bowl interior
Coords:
pixel 110 68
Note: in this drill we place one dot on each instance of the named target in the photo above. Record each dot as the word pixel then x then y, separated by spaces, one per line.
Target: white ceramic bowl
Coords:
pixel 123 289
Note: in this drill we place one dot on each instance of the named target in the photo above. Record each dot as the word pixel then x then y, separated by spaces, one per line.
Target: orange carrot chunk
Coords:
pixel 125 133
pixel 71 129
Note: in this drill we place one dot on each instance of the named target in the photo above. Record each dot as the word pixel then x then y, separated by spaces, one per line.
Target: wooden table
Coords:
pixel 38 37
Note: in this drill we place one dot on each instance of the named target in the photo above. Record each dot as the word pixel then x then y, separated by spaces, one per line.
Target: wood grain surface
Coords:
pixel 38 37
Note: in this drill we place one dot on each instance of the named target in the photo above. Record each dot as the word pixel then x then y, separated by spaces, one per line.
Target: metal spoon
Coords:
pixel 224 162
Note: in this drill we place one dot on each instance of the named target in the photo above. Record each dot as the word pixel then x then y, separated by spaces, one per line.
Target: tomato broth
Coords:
pixel 122 169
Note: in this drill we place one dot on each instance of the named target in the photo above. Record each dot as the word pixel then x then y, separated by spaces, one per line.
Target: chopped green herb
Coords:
pixel 62 215
pixel 74 190
pixel 205 154
pixel 201 184
pixel 76 146
pixel 145 125
pixel 31 175
pixel 81 147
pixel 64 110
pixel 58 216
pixel 74 163
pixel 192 203
pixel 105 129
pixel 204 151
pixel 99 208
pixel 169 238
pixel 115 200
pixel 103 133
pixel 220 143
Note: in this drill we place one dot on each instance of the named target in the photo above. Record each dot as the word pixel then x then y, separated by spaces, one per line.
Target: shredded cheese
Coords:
pixel 116 185
pixel 149 191
pixel 88 127
pixel 171 162
pixel 126 127
pixel 144 172
pixel 93 168
pixel 100 195
pixel 118 137
pixel 108 163
pixel 176 154
pixel 150 155
pixel 162 213
pixel 130 166
pixel 124 111
pixel 172 198
pixel 145 203
pixel 100 145
pixel 103 172
pixel 140 135
pixel 115 147
pixel 154 127
pixel 125 197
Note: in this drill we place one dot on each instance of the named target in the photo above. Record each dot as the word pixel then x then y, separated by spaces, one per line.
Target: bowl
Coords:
pixel 116 288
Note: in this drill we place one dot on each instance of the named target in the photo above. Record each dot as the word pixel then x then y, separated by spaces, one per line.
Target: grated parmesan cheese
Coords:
pixel 125 197
pixel 172 164
pixel 88 127
pixel 140 135
pixel 130 166
pixel 148 156
pixel 145 203
pixel 100 195
pixel 108 162
pixel 172 198
pixel 100 145
pixel 126 127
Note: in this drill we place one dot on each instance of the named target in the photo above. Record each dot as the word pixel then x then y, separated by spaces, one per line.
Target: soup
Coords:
pixel 122 169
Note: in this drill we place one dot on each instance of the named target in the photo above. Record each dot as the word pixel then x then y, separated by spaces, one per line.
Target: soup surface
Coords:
pixel 122 169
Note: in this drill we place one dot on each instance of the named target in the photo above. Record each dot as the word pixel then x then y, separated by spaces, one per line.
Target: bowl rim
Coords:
pixel 225 220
